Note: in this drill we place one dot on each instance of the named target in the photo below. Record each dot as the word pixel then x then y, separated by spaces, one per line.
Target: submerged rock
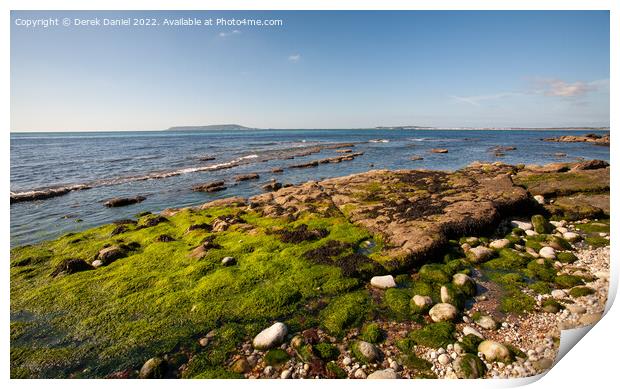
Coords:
pixel 439 151
pixel 270 337
pixel 123 201
pixel 246 177
pixel 215 186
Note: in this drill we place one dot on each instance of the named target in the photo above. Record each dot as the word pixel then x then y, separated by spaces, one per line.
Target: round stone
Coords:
pixel 383 374
pixel 499 244
pixel 443 312
pixel 444 359
pixel 494 351
pixel 228 261
pixel 547 253
pixel 383 282
pixel 270 337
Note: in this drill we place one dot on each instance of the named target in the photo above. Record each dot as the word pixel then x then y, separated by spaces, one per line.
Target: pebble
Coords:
pixel 576 309
pixel 359 373
pixel 444 359
pixel 346 361
pixel 530 232
pixel 268 371
pixel 383 282
pixel 558 294
pixel 228 261
pixel 286 374
pixel 383 374
pixel 270 337
pixel 467 330
pixel 547 253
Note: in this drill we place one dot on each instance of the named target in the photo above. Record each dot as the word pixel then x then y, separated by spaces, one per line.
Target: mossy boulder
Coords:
pixel 566 257
pixel 450 294
pixel 365 352
pixel 397 301
pixel 541 225
pixel 464 283
pixel 469 366
pixel 420 304
pixel 276 357
pixel 580 291
pixel 434 335
pixel 470 343
pixel 566 281
pixel 345 311
pixel 153 368
pixel 434 273
pixel 372 333
pixel 552 306
pixel 334 371
pixel 542 269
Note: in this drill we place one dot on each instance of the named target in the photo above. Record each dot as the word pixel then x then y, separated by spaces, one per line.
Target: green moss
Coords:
pixel 565 281
pixel 276 357
pixel 470 343
pixel 159 298
pixel 345 311
pixel 335 371
pixel 541 225
pixel 542 271
pixel 397 301
pixel 593 227
pixel 434 335
pixel 579 291
pixel 326 351
pixel 508 259
pixel 597 241
pixel 559 243
pixel 471 366
pixel 533 244
pixel 403 280
pixel 425 289
pixel 515 301
pixel 515 352
pixel 540 287
pixel 552 305
pixel 434 273
pixel 372 333
pixel 566 257
pixel 420 368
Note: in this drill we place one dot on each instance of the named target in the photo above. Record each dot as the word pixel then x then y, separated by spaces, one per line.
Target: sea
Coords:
pixel 163 166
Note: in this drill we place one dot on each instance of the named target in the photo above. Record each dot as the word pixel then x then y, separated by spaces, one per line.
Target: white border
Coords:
pixel 592 362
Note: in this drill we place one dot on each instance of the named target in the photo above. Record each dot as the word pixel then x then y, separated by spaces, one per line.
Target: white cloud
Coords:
pixel 227 34
pixel 560 88
pixel 294 57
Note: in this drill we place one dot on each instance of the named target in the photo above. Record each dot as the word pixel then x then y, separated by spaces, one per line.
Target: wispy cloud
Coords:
pixel 294 58
pixel 476 100
pixel 224 34
pixel 560 88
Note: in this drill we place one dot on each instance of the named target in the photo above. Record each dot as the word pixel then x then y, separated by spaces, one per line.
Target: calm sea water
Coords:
pixel 132 163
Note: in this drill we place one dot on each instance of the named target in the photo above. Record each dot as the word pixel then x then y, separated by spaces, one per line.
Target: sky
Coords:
pixel 319 69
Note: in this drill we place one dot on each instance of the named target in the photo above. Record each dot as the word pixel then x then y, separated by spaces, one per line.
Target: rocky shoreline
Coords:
pixel 385 274
pixel 602 140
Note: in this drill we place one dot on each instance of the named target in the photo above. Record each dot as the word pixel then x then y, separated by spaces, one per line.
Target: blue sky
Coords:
pixel 318 70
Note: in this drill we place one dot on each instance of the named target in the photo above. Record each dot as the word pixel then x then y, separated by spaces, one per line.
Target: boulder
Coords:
pixel 443 312
pixel 467 330
pixel 520 224
pixel 240 366
pixel 571 236
pixel 209 187
pixel 480 254
pixel 468 366
pixel 439 151
pixel 540 199
pixel 367 352
pixel 383 282
pixel 153 368
pixel 486 322
pixel 270 337
pixel 420 304
pixel 70 266
pixel 541 225
pixel 547 253
pixel 383 374
pixel 499 244
pixel 494 351
pixel 110 254
pixel 465 283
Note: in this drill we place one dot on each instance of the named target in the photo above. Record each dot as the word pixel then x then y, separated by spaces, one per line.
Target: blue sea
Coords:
pixel 164 165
